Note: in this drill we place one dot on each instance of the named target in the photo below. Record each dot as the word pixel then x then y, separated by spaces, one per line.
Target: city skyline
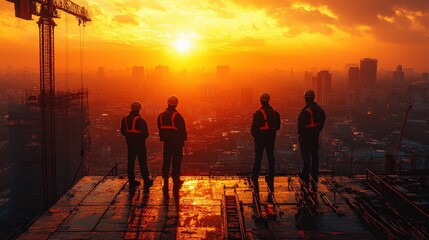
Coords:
pixel 242 34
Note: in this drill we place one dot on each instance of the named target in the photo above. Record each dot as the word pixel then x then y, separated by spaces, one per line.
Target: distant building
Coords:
pixel 308 77
pixel 368 72
pixel 138 73
pixel 207 91
pixel 342 130
pixel 322 85
pixel 223 71
pixel 418 94
pixel 101 73
pixel 246 97
pixel 398 75
pixel 417 130
pixel 353 78
pixel 161 71
pixel 425 76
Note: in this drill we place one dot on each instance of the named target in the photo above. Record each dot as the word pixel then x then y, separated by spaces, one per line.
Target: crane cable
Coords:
pixel 67 49
pixel 82 107
pixel 82 46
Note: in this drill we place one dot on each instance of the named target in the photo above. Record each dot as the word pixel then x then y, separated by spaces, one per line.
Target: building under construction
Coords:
pixel 369 206
pixel 72 143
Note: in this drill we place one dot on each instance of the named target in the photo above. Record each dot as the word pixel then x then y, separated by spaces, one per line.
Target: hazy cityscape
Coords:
pixel 365 106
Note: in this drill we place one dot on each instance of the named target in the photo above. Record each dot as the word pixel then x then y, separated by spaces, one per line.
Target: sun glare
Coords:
pixel 182 45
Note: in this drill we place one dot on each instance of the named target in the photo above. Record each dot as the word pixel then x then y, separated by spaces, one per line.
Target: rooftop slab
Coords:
pixel 106 208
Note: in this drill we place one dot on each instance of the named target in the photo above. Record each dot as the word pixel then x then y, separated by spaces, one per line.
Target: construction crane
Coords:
pixel 47 10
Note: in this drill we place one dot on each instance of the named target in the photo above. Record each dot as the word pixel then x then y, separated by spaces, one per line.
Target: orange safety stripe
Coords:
pixel 266 126
pixel 133 125
pixel 312 124
pixel 172 126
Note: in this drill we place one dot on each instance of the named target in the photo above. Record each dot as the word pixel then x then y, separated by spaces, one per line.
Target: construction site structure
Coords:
pixel 47 10
pixel 72 134
pixel 224 207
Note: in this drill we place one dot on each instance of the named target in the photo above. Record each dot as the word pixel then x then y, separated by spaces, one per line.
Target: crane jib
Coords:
pixel 26 8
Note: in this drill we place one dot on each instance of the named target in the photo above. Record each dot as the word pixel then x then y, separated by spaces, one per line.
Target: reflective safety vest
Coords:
pixel 172 126
pixel 266 126
pixel 312 124
pixel 133 125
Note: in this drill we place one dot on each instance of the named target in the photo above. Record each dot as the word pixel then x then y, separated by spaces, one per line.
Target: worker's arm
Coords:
pixel 302 121
pixel 161 131
pixel 277 120
pixel 123 130
pixel 323 118
pixel 255 125
pixel 180 123
pixel 144 129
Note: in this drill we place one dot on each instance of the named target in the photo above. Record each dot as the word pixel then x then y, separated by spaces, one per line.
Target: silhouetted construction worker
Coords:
pixel 172 131
pixel 310 124
pixel 266 121
pixel 135 130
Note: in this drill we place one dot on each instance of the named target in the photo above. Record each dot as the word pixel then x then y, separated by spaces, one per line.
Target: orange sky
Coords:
pixel 241 33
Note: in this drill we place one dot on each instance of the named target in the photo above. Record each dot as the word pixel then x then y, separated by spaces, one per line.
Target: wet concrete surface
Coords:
pixel 106 208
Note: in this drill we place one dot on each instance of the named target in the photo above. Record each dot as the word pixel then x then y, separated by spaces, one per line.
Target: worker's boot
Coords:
pixel 134 184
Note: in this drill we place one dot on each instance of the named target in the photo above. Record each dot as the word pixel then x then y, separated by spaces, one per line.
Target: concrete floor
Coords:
pixel 105 208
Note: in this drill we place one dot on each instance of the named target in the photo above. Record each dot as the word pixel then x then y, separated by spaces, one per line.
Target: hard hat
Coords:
pixel 309 94
pixel 135 106
pixel 172 101
pixel 264 97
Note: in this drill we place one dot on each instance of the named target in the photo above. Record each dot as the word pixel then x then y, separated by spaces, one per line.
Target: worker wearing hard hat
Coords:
pixel 172 131
pixel 310 124
pixel 266 122
pixel 135 130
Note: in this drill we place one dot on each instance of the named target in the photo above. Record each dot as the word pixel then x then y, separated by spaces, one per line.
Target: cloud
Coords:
pixel 149 4
pixel 248 42
pixel 126 19
pixel 403 27
pixel 350 16
pixel 306 19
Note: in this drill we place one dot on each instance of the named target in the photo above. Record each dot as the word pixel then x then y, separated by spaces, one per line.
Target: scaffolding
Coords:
pixel 72 144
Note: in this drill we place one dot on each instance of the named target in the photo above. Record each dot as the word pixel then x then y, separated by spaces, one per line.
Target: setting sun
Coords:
pixel 182 45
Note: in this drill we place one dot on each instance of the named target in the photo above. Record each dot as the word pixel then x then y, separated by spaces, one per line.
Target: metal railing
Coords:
pixel 336 166
pixel 357 165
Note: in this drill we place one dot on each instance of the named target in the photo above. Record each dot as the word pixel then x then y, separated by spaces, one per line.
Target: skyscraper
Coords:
pixel 353 78
pixel 138 73
pixel 322 85
pixel 368 72
pixel 398 75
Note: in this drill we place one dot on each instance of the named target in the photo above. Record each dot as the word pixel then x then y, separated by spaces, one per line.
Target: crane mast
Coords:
pixel 47 102
pixel 47 11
